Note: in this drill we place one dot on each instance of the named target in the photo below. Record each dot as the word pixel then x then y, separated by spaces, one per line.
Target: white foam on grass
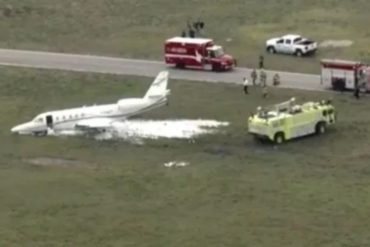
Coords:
pixel 176 164
pixel 155 129
pixel 136 130
pixel 336 43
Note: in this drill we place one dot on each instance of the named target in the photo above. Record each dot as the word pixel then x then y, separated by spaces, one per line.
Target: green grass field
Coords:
pixel 132 28
pixel 235 192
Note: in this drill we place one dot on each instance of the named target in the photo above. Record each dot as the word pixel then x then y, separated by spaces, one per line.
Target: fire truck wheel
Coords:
pixel 279 138
pixel 320 128
pixel 216 67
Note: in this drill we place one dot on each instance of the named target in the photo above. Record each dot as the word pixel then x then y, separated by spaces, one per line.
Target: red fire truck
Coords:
pixel 344 75
pixel 197 53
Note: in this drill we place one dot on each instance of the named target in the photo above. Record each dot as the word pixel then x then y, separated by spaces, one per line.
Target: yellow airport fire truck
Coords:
pixel 289 120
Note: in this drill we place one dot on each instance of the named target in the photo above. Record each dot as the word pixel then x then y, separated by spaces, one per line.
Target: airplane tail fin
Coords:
pixel 158 89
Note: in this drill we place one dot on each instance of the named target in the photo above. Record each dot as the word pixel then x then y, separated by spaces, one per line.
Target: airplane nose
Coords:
pixel 19 128
pixel 27 128
pixel 15 129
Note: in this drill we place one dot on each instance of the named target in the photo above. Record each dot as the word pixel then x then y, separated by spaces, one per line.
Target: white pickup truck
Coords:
pixel 291 44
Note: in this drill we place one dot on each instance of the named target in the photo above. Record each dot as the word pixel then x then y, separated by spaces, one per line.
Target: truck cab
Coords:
pixel 217 59
pixel 215 51
pixel 289 120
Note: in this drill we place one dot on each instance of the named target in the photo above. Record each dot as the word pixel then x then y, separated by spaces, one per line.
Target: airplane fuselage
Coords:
pixel 98 117
pixel 67 119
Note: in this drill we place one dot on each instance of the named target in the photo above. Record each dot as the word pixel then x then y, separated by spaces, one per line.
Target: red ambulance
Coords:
pixel 197 53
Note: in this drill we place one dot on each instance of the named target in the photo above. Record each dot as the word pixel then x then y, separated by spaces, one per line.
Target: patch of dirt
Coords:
pixel 360 153
pixel 218 151
pixel 13 11
pixel 49 161
pixel 336 43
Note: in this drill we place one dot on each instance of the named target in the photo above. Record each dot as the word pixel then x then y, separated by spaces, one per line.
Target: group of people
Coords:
pixel 262 79
pixel 194 29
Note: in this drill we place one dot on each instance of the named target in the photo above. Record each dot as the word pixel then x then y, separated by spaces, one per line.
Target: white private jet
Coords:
pixel 97 118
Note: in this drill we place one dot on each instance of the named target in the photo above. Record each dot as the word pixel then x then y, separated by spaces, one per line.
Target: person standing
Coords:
pixel 199 27
pixel 245 85
pixel 276 80
pixel 261 62
pixel 263 78
pixel 191 33
pixel 357 92
pixel 254 77
pixel 264 91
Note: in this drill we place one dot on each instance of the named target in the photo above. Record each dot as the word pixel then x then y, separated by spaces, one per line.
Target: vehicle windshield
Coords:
pixel 219 52
pixel 265 114
pixel 216 51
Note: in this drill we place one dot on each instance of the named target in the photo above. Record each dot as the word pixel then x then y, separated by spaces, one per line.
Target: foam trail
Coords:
pixel 136 130
pixel 155 129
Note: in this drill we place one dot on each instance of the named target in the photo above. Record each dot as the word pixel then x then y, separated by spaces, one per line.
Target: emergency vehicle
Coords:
pixel 344 75
pixel 291 44
pixel 288 120
pixel 198 53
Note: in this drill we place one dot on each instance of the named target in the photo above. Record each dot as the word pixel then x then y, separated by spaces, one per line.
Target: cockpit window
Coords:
pixel 37 119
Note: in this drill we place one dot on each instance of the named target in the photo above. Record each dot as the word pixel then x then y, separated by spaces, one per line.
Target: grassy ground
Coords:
pixel 235 192
pixel 137 29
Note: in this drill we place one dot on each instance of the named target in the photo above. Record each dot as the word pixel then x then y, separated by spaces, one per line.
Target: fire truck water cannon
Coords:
pixel 197 53
pixel 288 120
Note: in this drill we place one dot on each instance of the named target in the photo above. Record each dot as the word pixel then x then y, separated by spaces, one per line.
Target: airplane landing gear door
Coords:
pixel 49 121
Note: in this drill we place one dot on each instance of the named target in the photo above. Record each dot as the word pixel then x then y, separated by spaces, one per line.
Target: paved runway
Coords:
pixel 99 64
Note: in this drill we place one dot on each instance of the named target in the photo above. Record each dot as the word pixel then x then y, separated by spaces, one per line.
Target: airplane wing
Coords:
pixel 95 124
